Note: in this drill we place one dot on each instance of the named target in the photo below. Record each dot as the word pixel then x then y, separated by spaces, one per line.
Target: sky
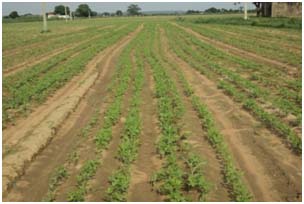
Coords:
pixel 35 7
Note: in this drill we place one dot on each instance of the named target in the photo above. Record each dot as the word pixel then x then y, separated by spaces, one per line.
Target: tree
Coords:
pixel 118 13
pixel 83 10
pixel 60 9
pixel 93 13
pixel 224 10
pixel 212 10
pixel 193 12
pixel 14 14
pixel 133 9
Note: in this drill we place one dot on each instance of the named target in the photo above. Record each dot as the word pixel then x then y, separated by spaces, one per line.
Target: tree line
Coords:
pixel 83 10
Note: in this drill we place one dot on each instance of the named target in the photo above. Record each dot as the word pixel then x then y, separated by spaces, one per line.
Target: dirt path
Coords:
pixel 237 51
pixel 147 162
pixel 271 171
pixel 29 137
pixel 38 59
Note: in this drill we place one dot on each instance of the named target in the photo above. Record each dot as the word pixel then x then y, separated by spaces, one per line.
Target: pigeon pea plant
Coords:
pixel 268 119
pixel 232 175
pixel 127 151
pixel 86 173
pixel 174 179
pixel 216 68
pixel 22 91
pixel 59 175
pixel 122 78
pixel 251 93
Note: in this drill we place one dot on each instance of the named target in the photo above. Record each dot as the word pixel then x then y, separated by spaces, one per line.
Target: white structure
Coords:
pixel 63 16
pixel 53 15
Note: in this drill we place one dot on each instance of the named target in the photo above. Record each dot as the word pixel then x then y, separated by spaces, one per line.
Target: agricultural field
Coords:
pixel 152 109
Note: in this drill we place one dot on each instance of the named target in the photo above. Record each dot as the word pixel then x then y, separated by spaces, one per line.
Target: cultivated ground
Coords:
pixel 151 109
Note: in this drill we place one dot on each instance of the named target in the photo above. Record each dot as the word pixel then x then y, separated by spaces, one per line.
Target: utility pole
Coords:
pixel 89 14
pixel 44 17
pixel 245 11
pixel 66 14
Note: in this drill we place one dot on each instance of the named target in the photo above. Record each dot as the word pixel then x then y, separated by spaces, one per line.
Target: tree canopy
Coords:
pixel 193 12
pixel 60 9
pixel 133 9
pixel 212 10
pixel 84 10
pixel 14 14
pixel 118 13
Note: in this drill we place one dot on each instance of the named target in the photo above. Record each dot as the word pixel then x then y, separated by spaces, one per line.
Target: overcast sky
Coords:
pixel 35 8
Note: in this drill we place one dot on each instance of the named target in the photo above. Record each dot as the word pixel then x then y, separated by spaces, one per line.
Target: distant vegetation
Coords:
pixel 214 10
pixel 255 21
pixel 133 10
pixel 14 14
pixel 295 23
pixel 84 10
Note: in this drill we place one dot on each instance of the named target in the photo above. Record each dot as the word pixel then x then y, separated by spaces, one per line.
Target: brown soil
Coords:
pixel 238 51
pixel 271 171
pixel 147 162
pixel 40 58
pixel 29 137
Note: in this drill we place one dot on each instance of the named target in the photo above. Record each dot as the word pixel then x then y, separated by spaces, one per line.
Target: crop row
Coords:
pixel 268 119
pixel 175 178
pixel 250 44
pixel 103 137
pixel 198 62
pixel 36 89
pixel 233 176
pixel 212 56
pixel 22 35
pixel 9 61
pixel 269 77
pixel 25 76
pixel 262 35
pixel 120 82
pixel 253 90
pixel 128 147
